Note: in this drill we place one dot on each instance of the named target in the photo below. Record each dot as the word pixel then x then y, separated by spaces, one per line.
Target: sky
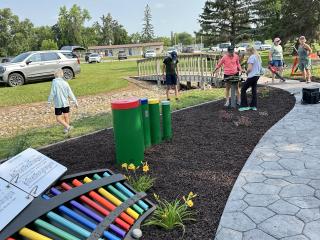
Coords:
pixel 167 15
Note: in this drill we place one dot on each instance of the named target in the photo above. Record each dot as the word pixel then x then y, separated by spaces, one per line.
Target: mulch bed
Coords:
pixel 206 155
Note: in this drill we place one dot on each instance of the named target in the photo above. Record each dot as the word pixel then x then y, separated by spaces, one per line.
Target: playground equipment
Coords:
pixel 145 121
pixel 155 126
pixel 78 207
pixel 234 81
pixel 128 131
pixel 166 120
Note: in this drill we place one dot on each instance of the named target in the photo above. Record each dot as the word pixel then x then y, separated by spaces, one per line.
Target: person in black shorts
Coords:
pixel 60 94
pixel 171 73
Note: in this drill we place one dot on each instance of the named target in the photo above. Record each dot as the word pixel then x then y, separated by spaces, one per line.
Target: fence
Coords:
pixel 193 68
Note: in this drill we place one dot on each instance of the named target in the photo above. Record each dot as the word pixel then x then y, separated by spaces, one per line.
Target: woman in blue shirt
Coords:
pixel 60 95
pixel 254 72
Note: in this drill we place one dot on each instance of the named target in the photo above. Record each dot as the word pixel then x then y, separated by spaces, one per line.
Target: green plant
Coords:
pixel 170 215
pixel 265 92
pixel 141 183
pixel 19 144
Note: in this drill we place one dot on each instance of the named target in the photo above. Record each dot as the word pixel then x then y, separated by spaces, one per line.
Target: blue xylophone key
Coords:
pixel 72 214
pixel 126 191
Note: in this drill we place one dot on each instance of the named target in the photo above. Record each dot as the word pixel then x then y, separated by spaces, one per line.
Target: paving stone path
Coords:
pixel 277 194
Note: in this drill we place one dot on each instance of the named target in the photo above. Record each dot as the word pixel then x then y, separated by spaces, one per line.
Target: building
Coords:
pixel 130 49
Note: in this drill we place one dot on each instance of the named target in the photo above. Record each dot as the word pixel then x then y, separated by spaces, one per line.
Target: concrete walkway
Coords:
pixel 277 194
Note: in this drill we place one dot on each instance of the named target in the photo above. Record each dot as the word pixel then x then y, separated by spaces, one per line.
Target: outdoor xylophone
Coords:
pixel 91 205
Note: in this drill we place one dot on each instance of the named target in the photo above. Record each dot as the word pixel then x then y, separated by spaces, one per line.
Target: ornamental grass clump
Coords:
pixel 140 182
pixel 175 214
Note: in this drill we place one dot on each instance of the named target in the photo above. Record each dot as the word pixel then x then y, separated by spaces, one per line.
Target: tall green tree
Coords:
pixel 106 30
pixel 42 33
pixel 120 34
pixel 71 25
pixel 226 20
pixel 135 38
pixel 147 31
pixel 185 38
pixel 49 44
pixel 15 36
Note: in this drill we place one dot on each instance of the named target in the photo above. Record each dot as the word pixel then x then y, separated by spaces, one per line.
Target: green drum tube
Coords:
pixel 155 128
pixel 145 122
pixel 128 131
pixel 166 120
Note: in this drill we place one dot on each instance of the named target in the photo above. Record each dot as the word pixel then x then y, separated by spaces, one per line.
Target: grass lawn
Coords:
pixel 93 79
pixel 45 136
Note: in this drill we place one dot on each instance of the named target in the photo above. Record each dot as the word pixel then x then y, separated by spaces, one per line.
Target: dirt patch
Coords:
pixel 205 156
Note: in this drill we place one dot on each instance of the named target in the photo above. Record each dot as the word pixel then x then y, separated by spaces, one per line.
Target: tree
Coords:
pixel 70 25
pixel 166 40
pixel 15 36
pixel 226 20
pixel 185 38
pixel 147 31
pixel 135 38
pixel 49 44
pixel 120 35
pixel 42 33
pixel 106 29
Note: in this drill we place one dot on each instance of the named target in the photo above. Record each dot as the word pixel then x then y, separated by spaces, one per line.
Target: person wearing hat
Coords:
pixel 276 56
pixel 304 51
pixel 231 67
pixel 170 73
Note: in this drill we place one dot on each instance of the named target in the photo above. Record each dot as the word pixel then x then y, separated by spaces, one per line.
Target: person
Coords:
pixel 170 73
pixel 276 56
pixel 60 94
pixel 231 67
pixel 254 70
pixel 304 51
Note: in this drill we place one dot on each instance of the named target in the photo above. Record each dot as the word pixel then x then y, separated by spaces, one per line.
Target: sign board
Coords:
pixel 31 171
pixel 23 177
pixel 12 202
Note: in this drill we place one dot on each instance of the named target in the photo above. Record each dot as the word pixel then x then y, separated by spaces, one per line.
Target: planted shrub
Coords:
pixel 243 122
pixel 170 215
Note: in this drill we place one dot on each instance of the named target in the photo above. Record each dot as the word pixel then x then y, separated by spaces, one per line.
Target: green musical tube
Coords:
pixel 166 120
pixel 145 122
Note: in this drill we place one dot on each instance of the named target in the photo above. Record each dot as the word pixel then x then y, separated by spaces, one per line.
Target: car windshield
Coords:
pixel 150 51
pixel 94 55
pixel 20 58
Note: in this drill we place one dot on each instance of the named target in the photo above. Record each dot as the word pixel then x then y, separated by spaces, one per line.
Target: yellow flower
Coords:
pixel 124 165
pixel 145 167
pixel 125 176
pixel 189 203
pixel 191 195
pixel 156 197
pixel 132 167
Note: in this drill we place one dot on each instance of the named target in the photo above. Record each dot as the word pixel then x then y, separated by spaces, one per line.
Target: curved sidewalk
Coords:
pixel 277 194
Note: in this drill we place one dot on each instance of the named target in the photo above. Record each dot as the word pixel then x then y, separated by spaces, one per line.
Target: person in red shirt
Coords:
pixel 231 67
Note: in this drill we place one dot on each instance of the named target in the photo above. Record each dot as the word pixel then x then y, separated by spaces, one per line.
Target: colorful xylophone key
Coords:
pixel 127 192
pixel 113 199
pixel 105 203
pixel 90 213
pixel 32 235
pixel 98 207
pixel 82 220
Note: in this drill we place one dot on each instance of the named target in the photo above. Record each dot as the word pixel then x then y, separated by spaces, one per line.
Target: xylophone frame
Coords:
pixel 40 206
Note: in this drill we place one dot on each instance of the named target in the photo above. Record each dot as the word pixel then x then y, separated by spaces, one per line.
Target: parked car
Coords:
pixel 215 48
pixel 39 65
pixel 150 54
pixel 5 60
pixel 260 46
pixel 242 47
pixel 86 56
pixel 94 57
pixel 122 55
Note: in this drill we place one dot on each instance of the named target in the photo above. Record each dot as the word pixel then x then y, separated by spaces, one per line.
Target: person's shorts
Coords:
pixel 171 80
pixel 305 64
pixel 59 111
pixel 277 63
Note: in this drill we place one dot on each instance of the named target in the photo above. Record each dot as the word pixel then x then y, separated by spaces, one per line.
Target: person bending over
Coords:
pixel 231 67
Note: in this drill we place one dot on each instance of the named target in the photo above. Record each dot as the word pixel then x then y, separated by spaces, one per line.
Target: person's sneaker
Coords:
pixel 253 108
pixel 67 130
pixel 243 109
pixel 227 104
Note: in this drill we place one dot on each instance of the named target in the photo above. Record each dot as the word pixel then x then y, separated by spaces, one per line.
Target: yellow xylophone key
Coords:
pixel 113 199
pixel 32 235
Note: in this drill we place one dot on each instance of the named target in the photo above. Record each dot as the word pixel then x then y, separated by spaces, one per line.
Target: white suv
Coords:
pixel 40 65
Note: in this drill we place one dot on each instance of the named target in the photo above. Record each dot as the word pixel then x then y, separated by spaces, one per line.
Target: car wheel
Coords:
pixel 15 79
pixel 67 73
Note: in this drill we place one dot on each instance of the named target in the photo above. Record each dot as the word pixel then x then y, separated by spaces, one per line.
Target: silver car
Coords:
pixel 40 65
